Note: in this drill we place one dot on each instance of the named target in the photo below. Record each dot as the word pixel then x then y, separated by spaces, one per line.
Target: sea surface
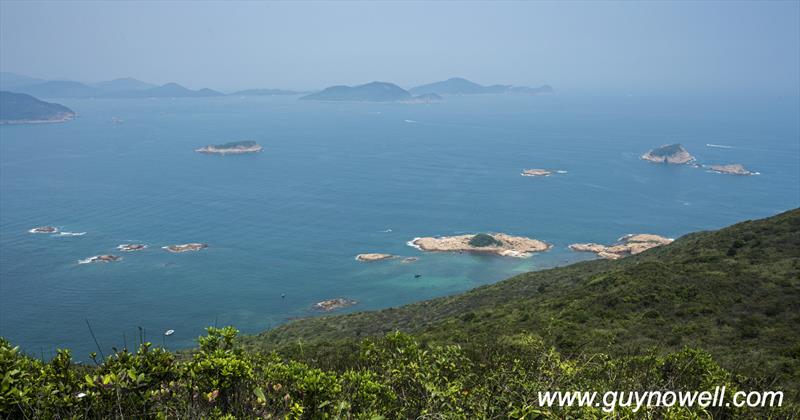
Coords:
pixel 338 179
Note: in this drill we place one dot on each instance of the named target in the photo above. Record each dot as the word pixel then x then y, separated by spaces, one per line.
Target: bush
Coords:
pixel 484 240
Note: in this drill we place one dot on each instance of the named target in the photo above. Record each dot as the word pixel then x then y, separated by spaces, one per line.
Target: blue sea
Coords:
pixel 338 179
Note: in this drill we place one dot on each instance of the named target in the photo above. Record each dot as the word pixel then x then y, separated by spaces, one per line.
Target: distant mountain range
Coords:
pixel 20 108
pixel 118 88
pixel 461 86
pixel 369 92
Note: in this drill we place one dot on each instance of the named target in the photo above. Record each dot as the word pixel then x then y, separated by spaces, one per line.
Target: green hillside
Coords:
pixel 711 309
pixel 734 292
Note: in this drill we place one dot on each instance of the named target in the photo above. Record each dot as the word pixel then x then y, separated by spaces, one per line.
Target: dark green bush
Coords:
pixel 484 240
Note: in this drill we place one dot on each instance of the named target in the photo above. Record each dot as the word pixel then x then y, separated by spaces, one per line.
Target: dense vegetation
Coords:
pixel 483 240
pixel 711 309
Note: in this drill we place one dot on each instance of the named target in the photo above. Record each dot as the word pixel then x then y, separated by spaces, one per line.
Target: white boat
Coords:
pixel 169 332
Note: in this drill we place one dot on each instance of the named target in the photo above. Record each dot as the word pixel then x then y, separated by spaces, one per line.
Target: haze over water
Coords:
pixel 333 179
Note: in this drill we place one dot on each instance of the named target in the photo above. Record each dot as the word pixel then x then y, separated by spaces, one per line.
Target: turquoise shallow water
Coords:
pixel 331 179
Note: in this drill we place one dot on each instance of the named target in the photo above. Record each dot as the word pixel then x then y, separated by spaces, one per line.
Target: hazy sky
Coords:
pixel 574 46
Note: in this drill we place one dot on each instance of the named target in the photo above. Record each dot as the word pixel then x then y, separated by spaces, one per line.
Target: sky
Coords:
pixel 631 47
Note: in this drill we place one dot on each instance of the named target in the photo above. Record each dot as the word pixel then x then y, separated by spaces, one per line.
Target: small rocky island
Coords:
pixel 491 243
pixel 44 229
pixel 185 247
pixel 671 153
pixel 626 245
pixel 373 257
pixel 237 147
pixel 732 169
pixel 334 304
pixel 536 172
pixel 131 247
pixel 100 258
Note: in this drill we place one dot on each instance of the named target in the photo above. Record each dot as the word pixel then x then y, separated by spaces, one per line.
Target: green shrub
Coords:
pixel 484 240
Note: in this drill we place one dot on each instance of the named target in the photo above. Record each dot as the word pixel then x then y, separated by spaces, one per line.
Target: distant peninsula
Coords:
pixel 491 243
pixel 671 153
pixel 236 147
pixel 370 92
pixel 461 86
pixel 20 108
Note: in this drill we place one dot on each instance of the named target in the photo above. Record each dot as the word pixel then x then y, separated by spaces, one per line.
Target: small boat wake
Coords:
pixel 718 146
pixel 386 231
pixel 63 234
pixel 411 121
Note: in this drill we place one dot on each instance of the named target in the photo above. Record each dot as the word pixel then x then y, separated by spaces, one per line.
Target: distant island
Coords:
pixel 491 243
pixel 670 153
pixel 266 92
pixel 169 90
pixel 20 108
pixel 237 147
pixel 461 86
pixel 123 84
pixel 732 169
pixel 370 92
pixel 626 245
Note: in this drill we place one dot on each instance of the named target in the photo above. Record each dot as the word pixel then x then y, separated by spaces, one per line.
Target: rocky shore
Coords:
pixel 334 304
pixel 495 243
pixel 373 257
pixel 626 245
pixel 670 153
pixel 732 169
pixel 185 247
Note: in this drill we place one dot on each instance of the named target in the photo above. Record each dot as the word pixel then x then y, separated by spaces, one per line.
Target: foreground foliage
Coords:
pixel 390 377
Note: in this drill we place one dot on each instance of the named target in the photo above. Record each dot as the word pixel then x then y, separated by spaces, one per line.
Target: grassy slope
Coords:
pixel 734 292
